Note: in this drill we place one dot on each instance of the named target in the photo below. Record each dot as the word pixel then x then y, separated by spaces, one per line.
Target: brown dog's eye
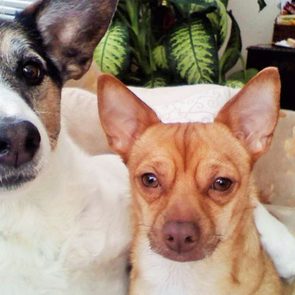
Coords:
pixel 150 180
pixel 221 184
pixel 33 73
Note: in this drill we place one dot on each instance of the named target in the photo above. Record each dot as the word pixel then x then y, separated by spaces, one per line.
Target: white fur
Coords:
pixel 12 106
pixel 277 241
pixel 160 276
pixel 67 231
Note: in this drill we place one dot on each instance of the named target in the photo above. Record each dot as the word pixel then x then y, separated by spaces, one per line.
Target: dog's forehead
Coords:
pixel 12 39
pixel 188 144
pixel 187 136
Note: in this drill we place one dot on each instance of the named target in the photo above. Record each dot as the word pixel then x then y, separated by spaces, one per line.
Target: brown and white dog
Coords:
pixel 64 224
pixel 194 196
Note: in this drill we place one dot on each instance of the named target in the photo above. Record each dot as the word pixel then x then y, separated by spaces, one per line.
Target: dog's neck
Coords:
pixel 234 256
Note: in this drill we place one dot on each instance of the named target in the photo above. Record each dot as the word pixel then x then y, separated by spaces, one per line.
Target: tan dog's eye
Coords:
pixel 150 180
pixel 221 184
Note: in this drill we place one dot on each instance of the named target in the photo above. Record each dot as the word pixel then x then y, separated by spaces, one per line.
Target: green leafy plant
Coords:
pixel 171 42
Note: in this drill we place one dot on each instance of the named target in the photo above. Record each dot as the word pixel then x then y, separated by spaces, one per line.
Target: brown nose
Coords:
pixel 181 237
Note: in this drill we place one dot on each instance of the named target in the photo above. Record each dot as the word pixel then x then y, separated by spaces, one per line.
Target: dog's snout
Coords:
pixel 19 142
pixel 181 237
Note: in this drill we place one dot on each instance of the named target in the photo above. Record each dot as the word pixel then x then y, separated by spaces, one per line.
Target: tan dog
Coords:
pixel 193 192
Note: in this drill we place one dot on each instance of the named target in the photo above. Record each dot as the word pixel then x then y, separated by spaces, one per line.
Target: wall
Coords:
pixel 256 27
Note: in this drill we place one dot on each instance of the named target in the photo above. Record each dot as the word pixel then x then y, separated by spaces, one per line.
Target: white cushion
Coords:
pixel 195 103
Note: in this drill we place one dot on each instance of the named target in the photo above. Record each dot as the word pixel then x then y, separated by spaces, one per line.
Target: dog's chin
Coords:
pixel 13 178
pixel 183 257
pixel 13 182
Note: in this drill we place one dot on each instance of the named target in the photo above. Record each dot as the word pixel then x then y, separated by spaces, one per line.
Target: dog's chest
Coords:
pixel 159 276
pixel 31 259
pixel 63 248
pixel 175 280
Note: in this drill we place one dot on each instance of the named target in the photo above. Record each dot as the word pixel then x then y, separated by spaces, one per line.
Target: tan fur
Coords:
pixel 187 159
pixel 48 108
pixel 187 164
pixel 88 81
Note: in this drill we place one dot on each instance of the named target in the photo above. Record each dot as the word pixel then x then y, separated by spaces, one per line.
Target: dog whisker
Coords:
pixel 144 225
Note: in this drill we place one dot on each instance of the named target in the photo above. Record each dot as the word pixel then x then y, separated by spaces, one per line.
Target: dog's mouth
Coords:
pixel 194 255
pixel 199 252
pixel 13 178
pixel 15 181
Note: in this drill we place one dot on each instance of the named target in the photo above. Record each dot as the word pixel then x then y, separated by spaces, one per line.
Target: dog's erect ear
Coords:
pixel 253 113
pixel 70 30
pixel 124 117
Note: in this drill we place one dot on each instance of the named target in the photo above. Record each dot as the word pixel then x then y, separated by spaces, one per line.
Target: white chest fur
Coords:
pixel 67 231
pixel 157 275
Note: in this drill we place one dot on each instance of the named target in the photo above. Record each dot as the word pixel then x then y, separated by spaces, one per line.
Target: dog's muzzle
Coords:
pixel 19 143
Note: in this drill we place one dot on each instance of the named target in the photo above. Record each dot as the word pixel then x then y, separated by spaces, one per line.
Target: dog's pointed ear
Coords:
pixel 253 113
pixel 124 117
pixel 70 30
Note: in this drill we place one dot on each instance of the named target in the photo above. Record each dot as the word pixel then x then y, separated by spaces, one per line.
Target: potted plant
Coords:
pixel 172 42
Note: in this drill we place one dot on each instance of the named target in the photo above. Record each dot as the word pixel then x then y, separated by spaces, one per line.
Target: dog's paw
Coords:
pixel 278 242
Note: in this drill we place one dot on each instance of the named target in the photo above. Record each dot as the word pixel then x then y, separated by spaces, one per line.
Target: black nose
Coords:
pixel 181 237
pixel 19 142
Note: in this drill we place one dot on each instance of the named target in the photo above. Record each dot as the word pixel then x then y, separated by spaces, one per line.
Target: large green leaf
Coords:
pixel 225 2
pixel 232 52
pixel 243 76
pixel 112 53
pixel 189 7
pixel 192 51
pixel 219 20
pixel 160 57
pixel 234 84
pixel 156 81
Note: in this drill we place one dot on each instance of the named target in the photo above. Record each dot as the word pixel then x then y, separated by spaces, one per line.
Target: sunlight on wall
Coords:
pixel 256 27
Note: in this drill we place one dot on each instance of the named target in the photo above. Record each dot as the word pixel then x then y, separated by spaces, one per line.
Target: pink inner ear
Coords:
pixel 68 31
pixel 123 115
pixel 253 113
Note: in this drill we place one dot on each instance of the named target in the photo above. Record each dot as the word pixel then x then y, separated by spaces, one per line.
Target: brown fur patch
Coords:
pixel 47 107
